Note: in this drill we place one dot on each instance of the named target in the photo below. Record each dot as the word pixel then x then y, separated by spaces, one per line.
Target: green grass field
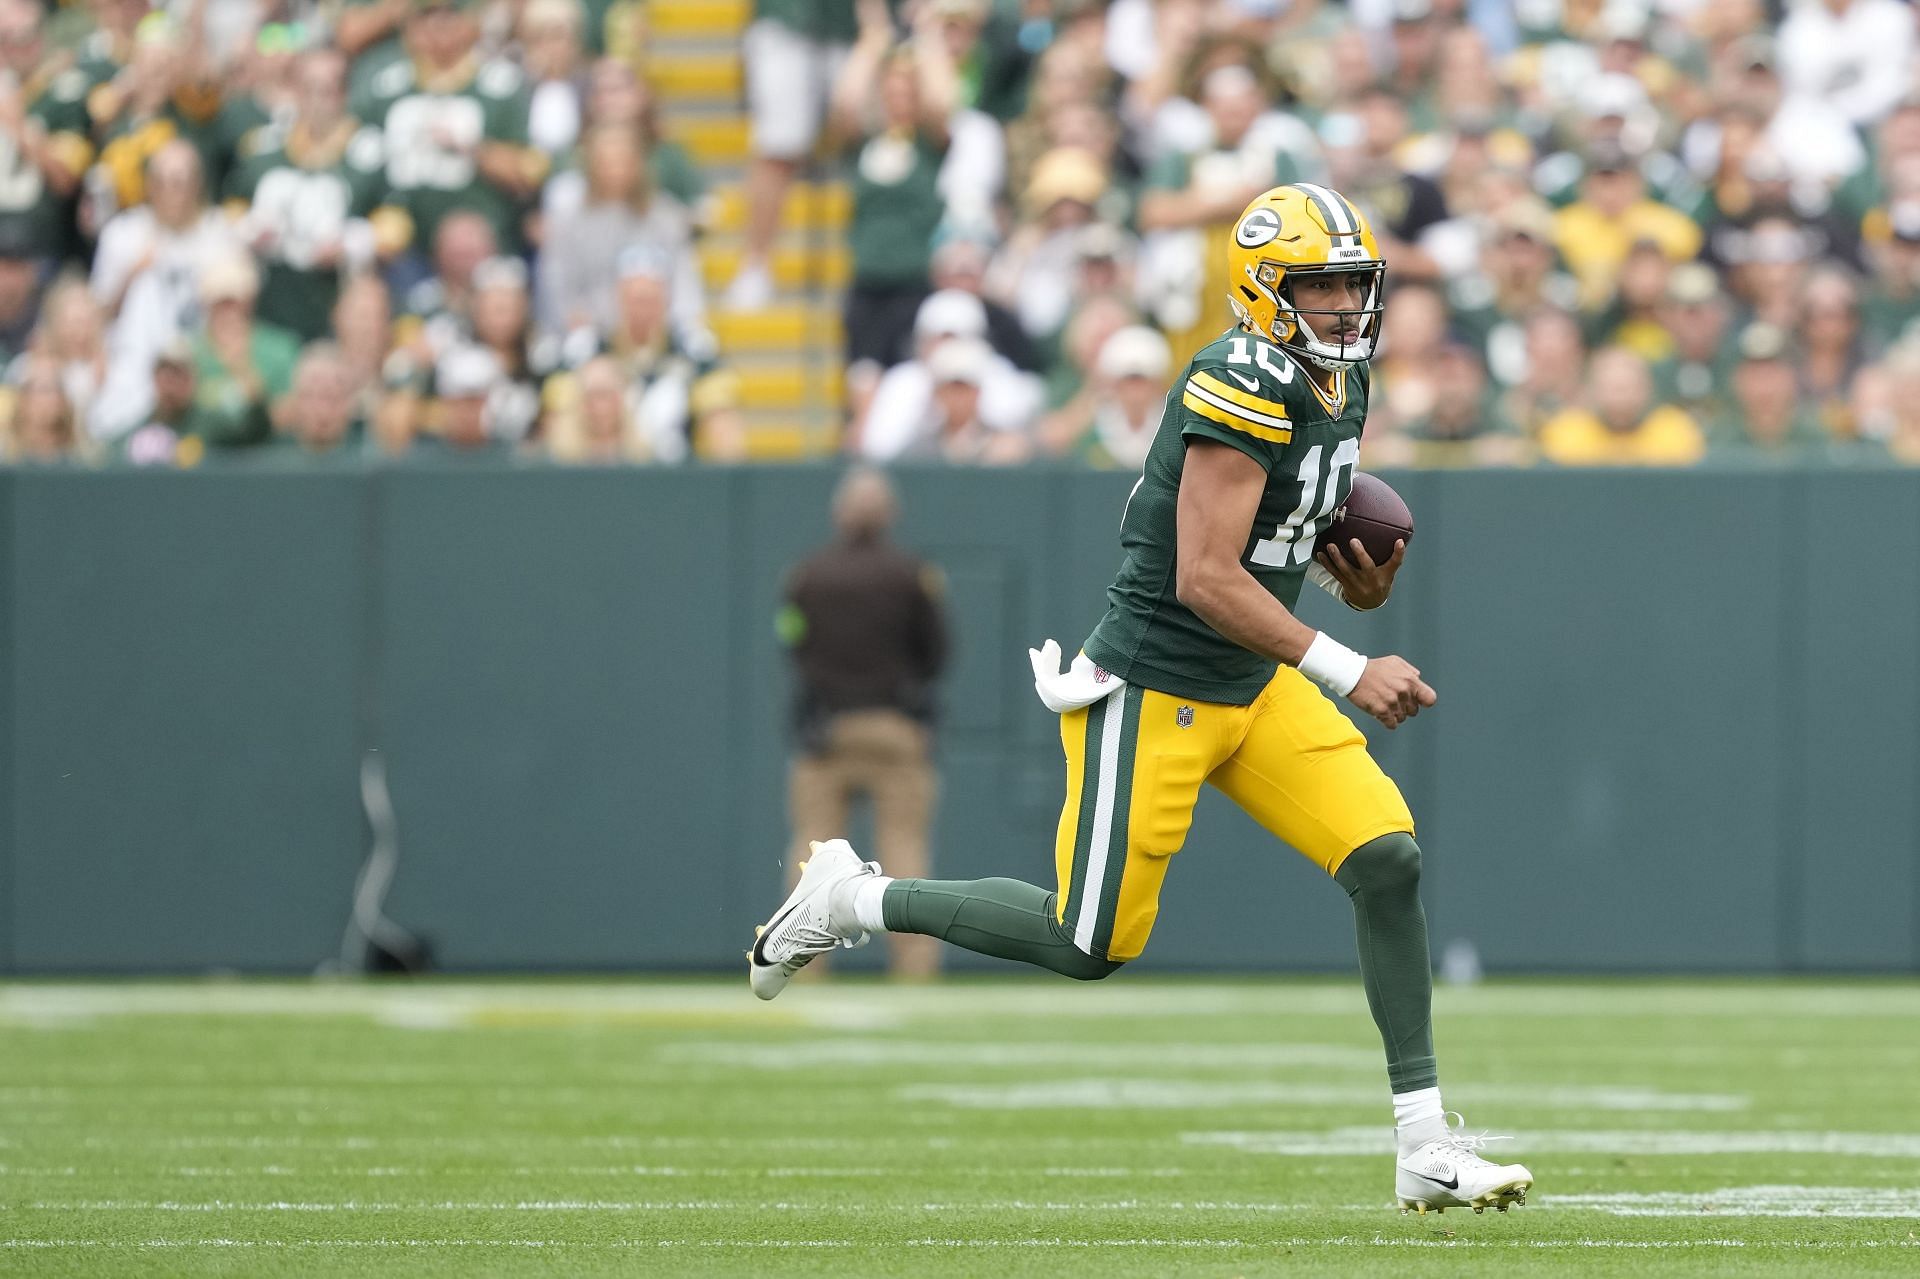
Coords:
pixel 1012 1128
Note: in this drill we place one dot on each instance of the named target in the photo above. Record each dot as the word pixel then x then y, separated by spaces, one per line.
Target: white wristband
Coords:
pixel 1330 663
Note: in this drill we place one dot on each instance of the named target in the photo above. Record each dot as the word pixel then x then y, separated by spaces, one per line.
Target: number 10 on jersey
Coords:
pixel 1320 491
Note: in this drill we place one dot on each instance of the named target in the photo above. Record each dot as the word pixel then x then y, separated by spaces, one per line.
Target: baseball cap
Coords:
pixel 1903 218
pixel 465 372
pixel 635 260
pixel 1760 342
pixel 1135 351
pixel 500 273
pixel 1693 283
pixel 228 278
pixel 1526 216
pixel 1065 173
pixel 177 351
pixel 961 360
pixel 1612 95
pixel 951 313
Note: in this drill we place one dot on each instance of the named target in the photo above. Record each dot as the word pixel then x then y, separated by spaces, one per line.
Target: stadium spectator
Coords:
pixel 864 624
pixel 1620 424
pixel 905 411
pixel 684 399
pixel 1364 158
pixel 1767 420
pixel 162 93
pixel 793 53
pixel 960 261
pixel 320 413
pixel 1191 199
pixel 1897 387
pixel 71 337
pixel 551 50
pixel 891 108
pixel 19 288
pixel 601 428
pixel 311 199
pixel 45 138
pixel 1596 232
pixel 242 366
pixel 455 128
pixel 438 310
pixel 362 329
pixel 620 207
pixel 1855 55
pixel 169 432
pixel 1635 316
pixel 955 432
pixel 616 95
pixel 1034 269
pixel 150 256
pixel 1698 319
pixel 1412 332
pixel 40 425
pixel 1892 304
pixel 1094 322
pixel 1112 422
pixel 458 422
pixel 1461 425
pixel 1828 349
pixel 1518 273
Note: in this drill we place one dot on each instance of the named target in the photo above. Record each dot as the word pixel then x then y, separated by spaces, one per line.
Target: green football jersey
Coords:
pixel 1250 395
pixel 431 136
pixel 301 204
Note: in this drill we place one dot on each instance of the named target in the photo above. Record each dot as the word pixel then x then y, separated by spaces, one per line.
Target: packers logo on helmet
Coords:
pixel 1295 231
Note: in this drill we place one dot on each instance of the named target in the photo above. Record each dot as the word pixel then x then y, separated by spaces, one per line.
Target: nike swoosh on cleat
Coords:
pixel 1453 1184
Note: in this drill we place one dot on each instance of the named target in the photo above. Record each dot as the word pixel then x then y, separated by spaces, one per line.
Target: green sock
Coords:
pixel 1383 878
pixel 1005 918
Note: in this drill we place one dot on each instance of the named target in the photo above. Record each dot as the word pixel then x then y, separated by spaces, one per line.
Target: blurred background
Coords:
pixel 455 387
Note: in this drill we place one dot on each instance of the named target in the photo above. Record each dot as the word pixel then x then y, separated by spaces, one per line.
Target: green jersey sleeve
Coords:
pixel 1231 395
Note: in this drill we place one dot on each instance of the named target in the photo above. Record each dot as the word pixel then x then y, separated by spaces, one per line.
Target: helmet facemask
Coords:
pixel 1304 327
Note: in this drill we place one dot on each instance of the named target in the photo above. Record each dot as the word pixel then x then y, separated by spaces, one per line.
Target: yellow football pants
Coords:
pixel 1135 764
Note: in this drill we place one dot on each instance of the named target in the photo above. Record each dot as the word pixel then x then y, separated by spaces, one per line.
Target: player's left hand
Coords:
pixel 1364 583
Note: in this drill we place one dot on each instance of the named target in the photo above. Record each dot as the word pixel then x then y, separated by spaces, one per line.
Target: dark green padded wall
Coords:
pixel 1677 725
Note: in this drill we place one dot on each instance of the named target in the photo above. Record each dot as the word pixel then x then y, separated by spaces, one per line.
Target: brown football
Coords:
pixel 1373 513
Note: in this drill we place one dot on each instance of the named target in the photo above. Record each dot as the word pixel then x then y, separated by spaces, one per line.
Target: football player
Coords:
pixel 1199 672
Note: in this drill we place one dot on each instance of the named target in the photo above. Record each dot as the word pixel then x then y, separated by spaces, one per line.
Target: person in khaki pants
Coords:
pixel 862 620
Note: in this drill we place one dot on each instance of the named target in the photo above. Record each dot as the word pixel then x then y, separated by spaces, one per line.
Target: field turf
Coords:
pixel 1011 1128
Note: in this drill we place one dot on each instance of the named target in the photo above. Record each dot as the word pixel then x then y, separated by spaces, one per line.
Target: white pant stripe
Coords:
pixel 1087 909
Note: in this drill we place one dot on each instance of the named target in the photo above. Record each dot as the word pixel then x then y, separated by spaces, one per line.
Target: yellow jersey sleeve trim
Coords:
pixel 1261 410
pixel 1230 417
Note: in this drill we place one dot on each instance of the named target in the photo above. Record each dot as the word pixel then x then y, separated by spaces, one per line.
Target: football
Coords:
pixel 1373 513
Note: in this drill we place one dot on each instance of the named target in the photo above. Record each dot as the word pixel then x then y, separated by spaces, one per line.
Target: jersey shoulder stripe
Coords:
pixel 1261 426
pixel 1255 405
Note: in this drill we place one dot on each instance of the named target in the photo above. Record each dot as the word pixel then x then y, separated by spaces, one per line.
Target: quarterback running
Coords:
pixel 1199 673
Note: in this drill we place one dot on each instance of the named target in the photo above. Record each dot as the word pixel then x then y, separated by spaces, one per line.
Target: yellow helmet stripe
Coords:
pixel 1270 412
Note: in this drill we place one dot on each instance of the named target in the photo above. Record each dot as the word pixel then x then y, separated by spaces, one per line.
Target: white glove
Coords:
pixel 1081 684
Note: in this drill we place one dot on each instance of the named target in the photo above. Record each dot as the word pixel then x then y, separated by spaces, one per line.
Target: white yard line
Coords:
pixel 1633 1141
pixel 860 1006
pixel 1264 1244
pixel 1197 1094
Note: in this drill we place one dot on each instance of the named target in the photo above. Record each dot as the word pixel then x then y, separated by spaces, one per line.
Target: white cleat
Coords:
pixel 1449 1173
pixel 805 926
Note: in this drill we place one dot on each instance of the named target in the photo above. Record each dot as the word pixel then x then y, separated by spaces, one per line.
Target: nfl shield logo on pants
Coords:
pixel 1184 717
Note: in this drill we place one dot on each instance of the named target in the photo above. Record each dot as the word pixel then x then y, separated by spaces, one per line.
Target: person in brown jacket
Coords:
pixel 863 622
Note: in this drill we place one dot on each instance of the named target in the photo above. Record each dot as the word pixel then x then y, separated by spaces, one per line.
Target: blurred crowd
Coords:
pixel 1643 232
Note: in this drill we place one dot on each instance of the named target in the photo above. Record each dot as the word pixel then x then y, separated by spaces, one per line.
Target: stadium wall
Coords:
pixel 1677 727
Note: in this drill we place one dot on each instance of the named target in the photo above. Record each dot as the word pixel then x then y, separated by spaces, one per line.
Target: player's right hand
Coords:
pixel 1391 691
